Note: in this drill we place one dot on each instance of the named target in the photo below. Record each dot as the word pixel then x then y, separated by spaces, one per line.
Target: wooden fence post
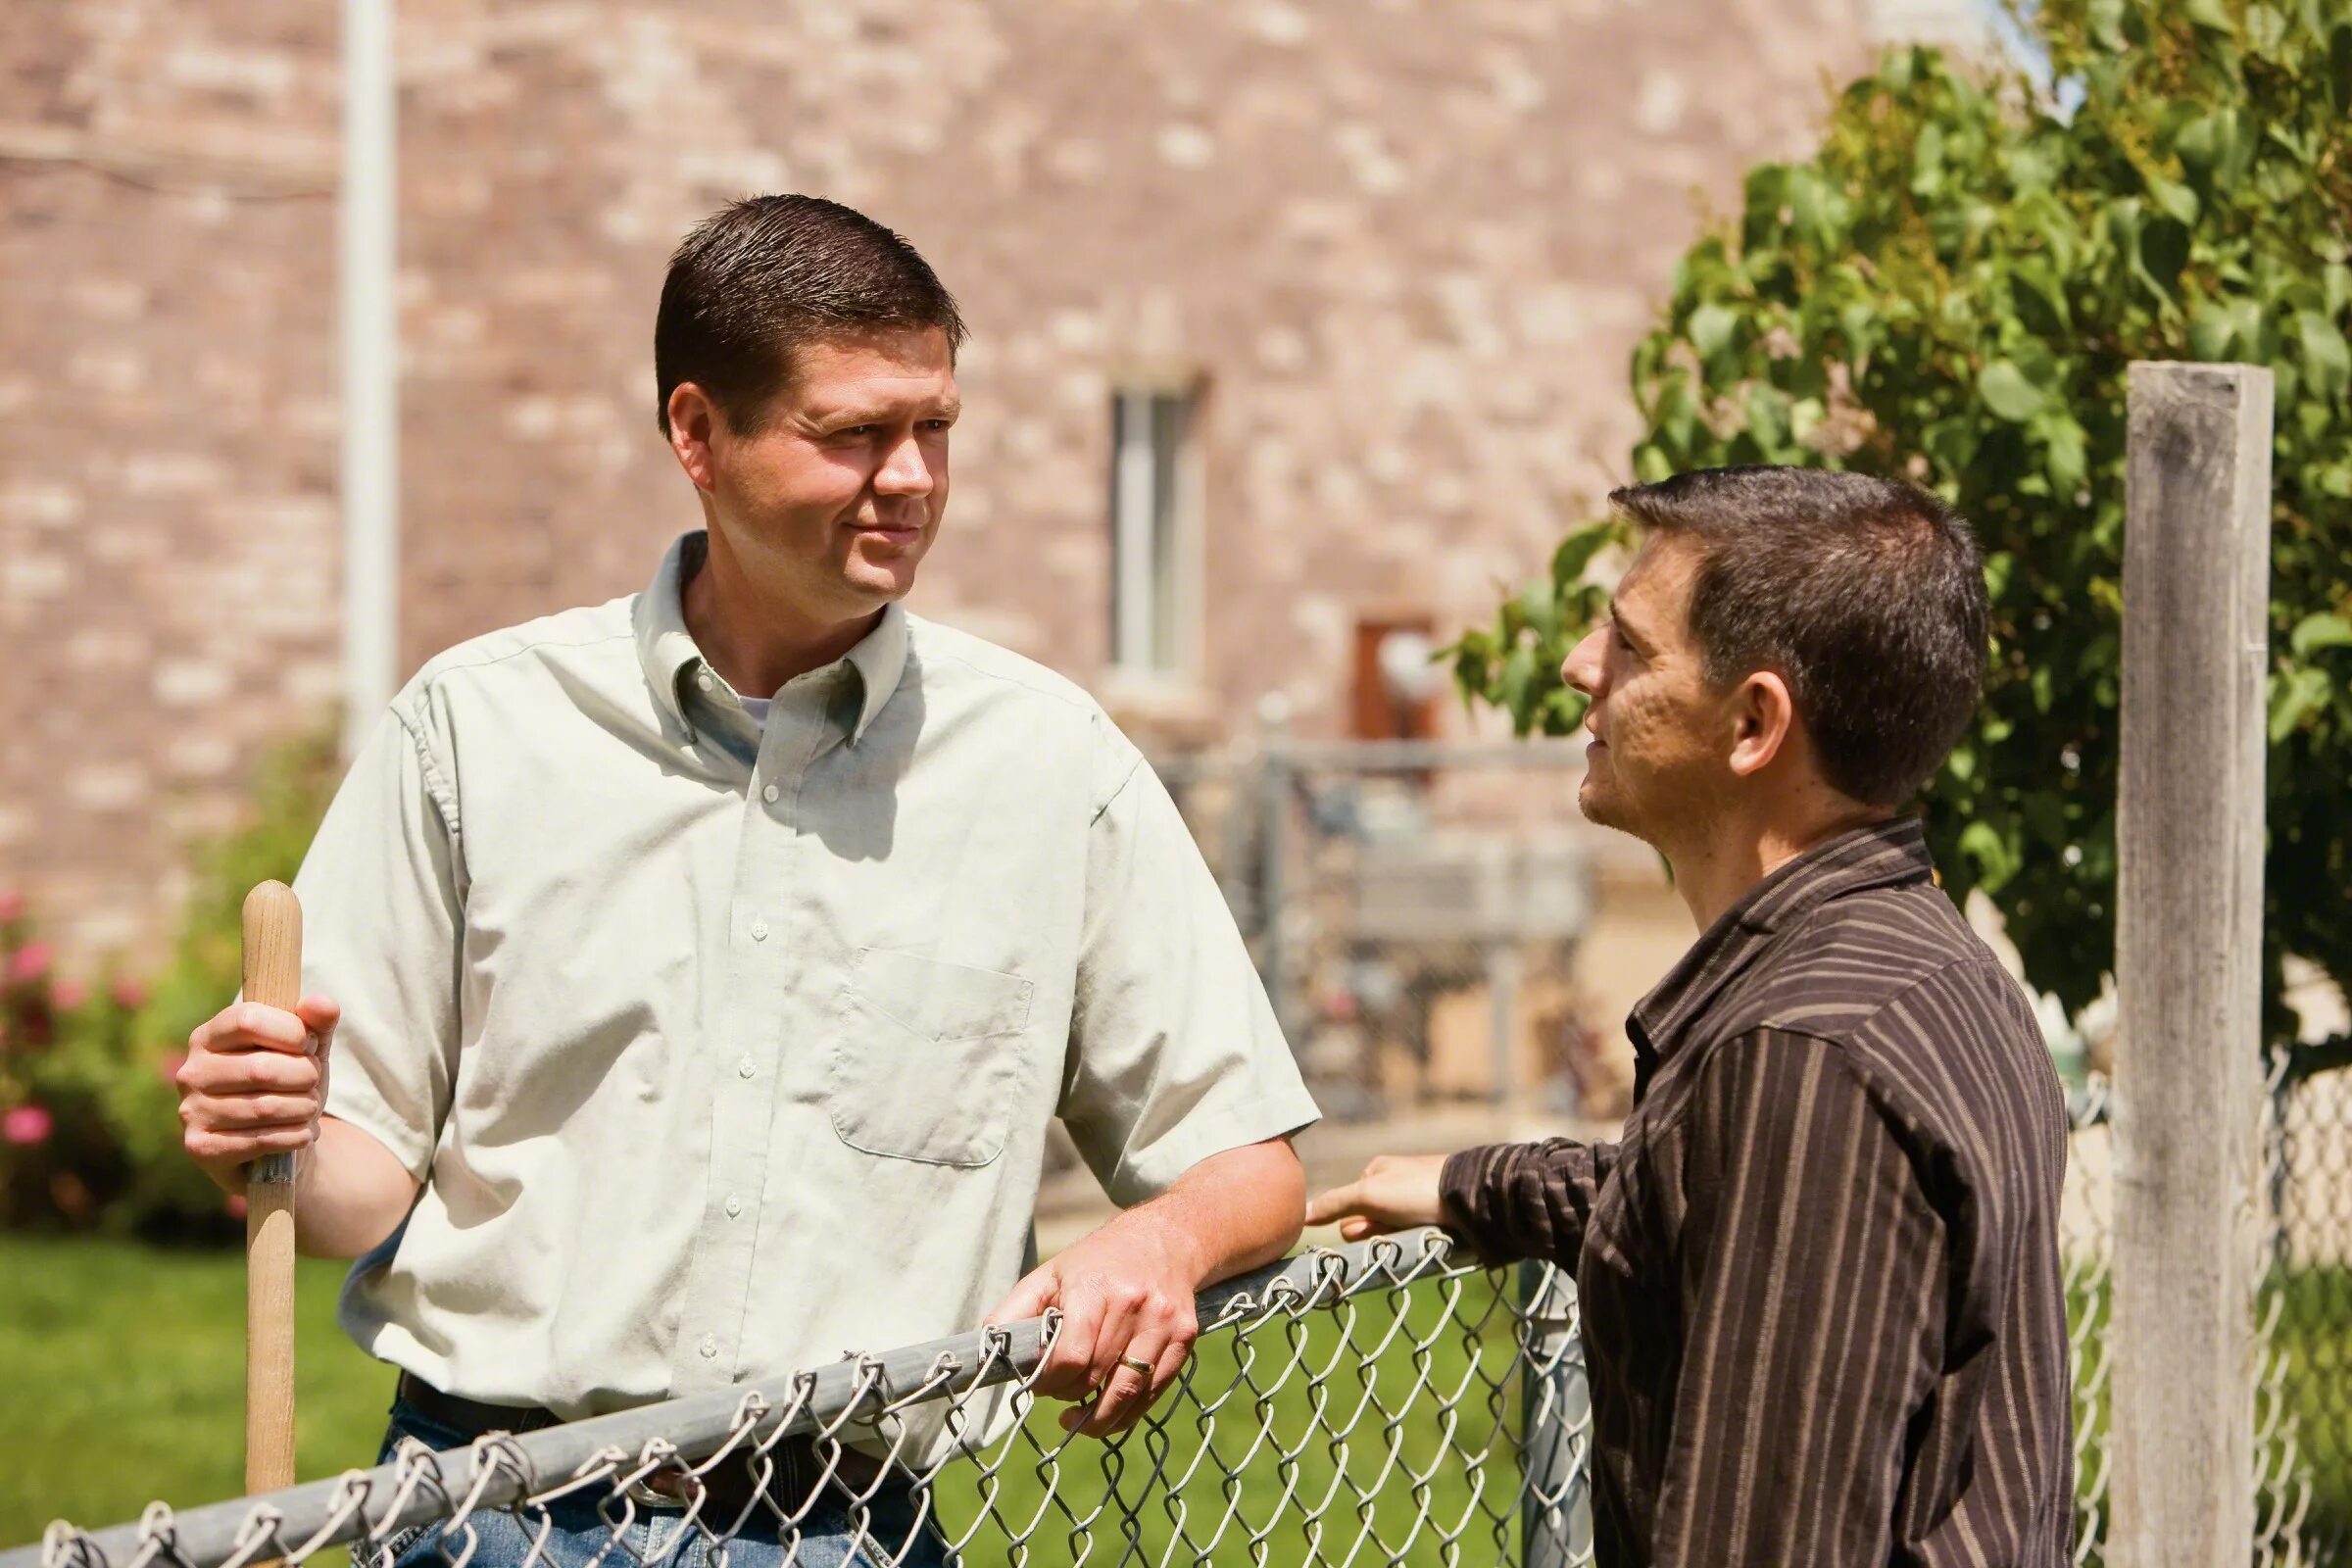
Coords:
pixel 2189 964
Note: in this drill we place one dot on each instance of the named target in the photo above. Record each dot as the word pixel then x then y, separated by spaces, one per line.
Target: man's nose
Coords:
pixel 1583 667
pixel 904 471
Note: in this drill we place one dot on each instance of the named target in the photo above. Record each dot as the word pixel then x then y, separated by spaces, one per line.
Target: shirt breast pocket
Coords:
pixel 924 1062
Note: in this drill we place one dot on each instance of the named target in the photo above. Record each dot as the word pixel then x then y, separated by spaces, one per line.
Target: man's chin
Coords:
pixel 1602 809
pixel 882 578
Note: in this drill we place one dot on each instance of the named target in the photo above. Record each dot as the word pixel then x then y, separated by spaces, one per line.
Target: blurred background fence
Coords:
pixel 1417 910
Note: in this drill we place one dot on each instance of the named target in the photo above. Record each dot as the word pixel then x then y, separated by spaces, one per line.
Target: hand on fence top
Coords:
pixel 253 1084
pixel 1395 1192
pixel 1126 1299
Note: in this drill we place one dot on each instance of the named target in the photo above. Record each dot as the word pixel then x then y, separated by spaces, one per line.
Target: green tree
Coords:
pixel 1950 291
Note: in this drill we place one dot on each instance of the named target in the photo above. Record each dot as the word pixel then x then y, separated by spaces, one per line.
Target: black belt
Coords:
pixel 729 1486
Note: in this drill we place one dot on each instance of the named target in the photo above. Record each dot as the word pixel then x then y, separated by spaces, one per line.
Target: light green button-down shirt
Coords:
pixel 724 1049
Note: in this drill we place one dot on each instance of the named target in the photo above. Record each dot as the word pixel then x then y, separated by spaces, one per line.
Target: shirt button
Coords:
pixel 747 1066
pixel 708 1347
pixel 759 930
pixel 704 680
pixel 734 1205
pixel 769 794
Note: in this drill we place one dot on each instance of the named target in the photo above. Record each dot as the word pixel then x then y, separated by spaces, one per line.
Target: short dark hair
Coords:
pixel 758 277
pixel 1864 594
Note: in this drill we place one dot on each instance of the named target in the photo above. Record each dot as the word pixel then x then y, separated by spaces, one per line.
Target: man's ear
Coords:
pixel 694 423
pixel 1763 718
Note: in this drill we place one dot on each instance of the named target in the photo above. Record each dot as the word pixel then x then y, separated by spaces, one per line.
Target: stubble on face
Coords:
pixel 1646 775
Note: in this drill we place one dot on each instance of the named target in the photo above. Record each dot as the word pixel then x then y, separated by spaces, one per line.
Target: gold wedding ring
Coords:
pixel 1137 1363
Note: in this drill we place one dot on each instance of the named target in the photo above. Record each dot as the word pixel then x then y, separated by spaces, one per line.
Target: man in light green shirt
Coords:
pixel 701 969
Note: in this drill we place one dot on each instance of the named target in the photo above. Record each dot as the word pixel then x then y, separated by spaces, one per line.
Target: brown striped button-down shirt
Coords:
pixel 1822 1300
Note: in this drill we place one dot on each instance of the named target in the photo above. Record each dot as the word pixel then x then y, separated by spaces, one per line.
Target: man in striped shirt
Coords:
pixel 1822 1310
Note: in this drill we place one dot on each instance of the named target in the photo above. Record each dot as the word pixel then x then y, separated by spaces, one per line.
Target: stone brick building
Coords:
pixel 1321 306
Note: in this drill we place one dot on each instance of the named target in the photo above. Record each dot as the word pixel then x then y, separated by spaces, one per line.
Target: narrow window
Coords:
pixel 1152 529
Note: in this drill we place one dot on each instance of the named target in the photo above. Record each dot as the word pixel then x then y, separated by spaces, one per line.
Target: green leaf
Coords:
pixel 1711 329
pixel 1767 411
pixel 1927 161
pixel 1995 857
pixel 2212 329
pixel 1577 551
pixel 2106 21
pixel 2315 632
pixel 2040 303
pixel 2205 141
pixel 1512 686
pixel 2174 199
pixel 2294 695
pixel 1541 607
pixel 2327 358
pixel 2005 390
pixel 2163 253
pixel 2066 450
pixel 2211 15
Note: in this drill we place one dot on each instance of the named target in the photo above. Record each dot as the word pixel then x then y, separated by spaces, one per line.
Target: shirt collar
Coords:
pixel 880 660
pixel 1889 854
pixel 667 650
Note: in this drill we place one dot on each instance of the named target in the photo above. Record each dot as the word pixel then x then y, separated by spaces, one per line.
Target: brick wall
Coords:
pixel 1408 244
pixel 167 530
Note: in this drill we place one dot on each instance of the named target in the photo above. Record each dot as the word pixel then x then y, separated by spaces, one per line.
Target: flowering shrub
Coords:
pixel 89 1114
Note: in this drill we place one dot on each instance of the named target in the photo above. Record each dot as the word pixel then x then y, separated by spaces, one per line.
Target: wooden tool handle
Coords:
pixel 273 976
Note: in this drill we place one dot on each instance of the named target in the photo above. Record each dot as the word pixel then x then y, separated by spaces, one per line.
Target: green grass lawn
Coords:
pixel 2315 1332
pixel 121 1381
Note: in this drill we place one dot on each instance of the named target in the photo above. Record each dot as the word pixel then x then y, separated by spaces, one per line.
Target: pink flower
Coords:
pixel 129 995
pixel 27 1125
pixel 67 995
pixel 31 961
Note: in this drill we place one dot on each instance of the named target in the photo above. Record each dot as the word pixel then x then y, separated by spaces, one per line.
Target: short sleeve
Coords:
pixel 1174 1053
pixel 382 917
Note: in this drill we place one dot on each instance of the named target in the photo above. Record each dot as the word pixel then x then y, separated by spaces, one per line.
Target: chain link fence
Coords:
pixel 1383 1403
pixel 2303 1412
pixel 2302 1322
pixel 2086 1239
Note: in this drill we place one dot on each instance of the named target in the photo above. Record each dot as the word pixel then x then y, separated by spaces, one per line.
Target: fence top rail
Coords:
pixel 502 1470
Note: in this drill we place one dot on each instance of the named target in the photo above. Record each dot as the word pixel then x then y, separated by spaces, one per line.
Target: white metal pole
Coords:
pixel 370 363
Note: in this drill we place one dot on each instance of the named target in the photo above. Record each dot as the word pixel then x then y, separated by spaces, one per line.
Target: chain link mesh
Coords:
pixel 1380 1403
pixel 2086 1239
pixel 2303 1403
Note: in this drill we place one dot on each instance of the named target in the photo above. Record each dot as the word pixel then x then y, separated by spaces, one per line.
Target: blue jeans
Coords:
pixel 582 1537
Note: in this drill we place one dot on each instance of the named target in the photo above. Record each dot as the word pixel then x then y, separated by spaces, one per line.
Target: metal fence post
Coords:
pixel 2189 964
pixel 1274 809
pixel 1556 1510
